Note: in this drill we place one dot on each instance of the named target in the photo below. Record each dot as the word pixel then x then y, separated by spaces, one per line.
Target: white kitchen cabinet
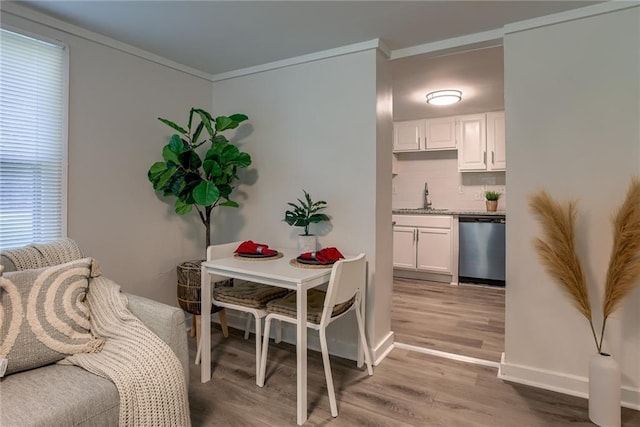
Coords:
pixel 496 142
pixel 404 247
pixel 481 142
pixel 423 243
pixel 408 136
pixel 440 134
pixel 472 142
pixel 434 250
pixel 425 135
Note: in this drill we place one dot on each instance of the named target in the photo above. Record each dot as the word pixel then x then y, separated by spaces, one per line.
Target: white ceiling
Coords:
pixel 222 36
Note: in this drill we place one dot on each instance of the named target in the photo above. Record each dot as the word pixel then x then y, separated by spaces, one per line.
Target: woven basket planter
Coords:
pixel 189 287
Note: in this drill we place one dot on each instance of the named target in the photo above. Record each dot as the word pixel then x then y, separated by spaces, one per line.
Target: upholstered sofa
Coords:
pixel 62 395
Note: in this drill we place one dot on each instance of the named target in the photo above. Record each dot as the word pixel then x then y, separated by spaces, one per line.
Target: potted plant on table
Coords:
pixel 303 214
pixel 492 198
pixel 198 183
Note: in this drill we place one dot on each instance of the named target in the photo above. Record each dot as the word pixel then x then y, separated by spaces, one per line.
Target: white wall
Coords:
pixel 113 212
pixel 573 102
pixel 380 303
pixel 312 126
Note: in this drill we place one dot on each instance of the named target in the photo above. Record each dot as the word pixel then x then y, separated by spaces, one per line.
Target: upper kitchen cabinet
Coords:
pixel 440 134
pixel 496 141
pixel 424 135
pixel 472 137
pixel 481 142
pixel 408 136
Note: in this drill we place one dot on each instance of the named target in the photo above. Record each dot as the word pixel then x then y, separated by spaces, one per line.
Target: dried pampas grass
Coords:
pixel 558 255
pixel 557 252
pixel 624 265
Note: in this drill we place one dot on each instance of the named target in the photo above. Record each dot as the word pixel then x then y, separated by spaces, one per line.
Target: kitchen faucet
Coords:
pixel 427 202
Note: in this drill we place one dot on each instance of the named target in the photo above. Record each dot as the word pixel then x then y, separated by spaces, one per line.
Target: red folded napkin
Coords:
pixel 251 248
pixel 323 256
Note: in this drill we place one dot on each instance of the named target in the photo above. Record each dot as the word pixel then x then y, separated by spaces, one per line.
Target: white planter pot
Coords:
pixel 307 243
pixel 604 391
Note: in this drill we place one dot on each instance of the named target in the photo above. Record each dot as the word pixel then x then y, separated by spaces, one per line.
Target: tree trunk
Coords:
pixel 207 225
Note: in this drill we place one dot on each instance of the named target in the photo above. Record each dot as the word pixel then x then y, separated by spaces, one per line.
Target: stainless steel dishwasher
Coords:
pixel 482 249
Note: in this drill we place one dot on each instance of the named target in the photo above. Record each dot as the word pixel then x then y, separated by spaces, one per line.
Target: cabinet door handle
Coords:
pixel 485 157
pixel 493 159
pixel 415 239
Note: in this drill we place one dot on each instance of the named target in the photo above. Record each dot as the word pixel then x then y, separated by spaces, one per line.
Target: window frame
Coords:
pixel 65 116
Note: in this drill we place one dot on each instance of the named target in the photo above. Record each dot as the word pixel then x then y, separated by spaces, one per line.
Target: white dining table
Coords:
pixel 276 272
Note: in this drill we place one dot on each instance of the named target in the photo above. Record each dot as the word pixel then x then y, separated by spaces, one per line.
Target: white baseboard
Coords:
pixel 382 349
pixel 572 385
pixel 452 356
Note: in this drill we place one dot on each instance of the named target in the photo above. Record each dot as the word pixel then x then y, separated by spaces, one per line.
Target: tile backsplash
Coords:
pixel 448 188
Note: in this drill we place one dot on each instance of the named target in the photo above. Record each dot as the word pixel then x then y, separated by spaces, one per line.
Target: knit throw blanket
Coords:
pixel 146 372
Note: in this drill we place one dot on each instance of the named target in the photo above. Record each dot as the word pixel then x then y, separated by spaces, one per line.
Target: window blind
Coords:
pixel 32 140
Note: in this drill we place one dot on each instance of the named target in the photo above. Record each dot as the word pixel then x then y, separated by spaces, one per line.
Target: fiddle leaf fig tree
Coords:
pixel 200 183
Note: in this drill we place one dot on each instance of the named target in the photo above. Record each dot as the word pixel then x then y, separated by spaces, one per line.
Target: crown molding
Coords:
pixel 485 37
pixel 296 60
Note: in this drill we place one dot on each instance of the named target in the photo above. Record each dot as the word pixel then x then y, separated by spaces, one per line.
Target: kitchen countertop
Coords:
pixel 458 212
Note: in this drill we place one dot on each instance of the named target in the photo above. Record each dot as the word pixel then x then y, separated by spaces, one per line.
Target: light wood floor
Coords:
pixel 407 389
pixel 465 319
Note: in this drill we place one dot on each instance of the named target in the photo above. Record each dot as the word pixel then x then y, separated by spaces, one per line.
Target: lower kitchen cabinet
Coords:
pixel 434 250
pixel 423 243
pixel 404 247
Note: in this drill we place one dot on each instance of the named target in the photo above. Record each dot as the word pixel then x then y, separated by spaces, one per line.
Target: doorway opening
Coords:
pixel 431 309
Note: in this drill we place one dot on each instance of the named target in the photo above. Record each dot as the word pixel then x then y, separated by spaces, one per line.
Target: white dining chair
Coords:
pixel 247 297
pixel 344 294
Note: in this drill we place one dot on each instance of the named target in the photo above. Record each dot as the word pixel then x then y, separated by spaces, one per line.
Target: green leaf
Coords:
pixel 229 153
pixel 318 218
pixel 212 168
pixel 206 119
pixel 242 160
pixel 192 179
pixel 206 113
pixel 156 170
pixel 187 198
pixel 177 184
pixel 190 118
pixel 238 117
pixel 229 203
pixel 183 208
pixel 164 178
pixel 175 144
pixel 196 134
pixel 205 193
pixel 169 155
pixel 173 125
pixel 190 160
pixel 219 139
pixel 225 190
pixel 213 154
pixel 223 123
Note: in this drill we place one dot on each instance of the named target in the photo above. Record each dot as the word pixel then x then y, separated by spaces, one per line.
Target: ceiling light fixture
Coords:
pixel 444 97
